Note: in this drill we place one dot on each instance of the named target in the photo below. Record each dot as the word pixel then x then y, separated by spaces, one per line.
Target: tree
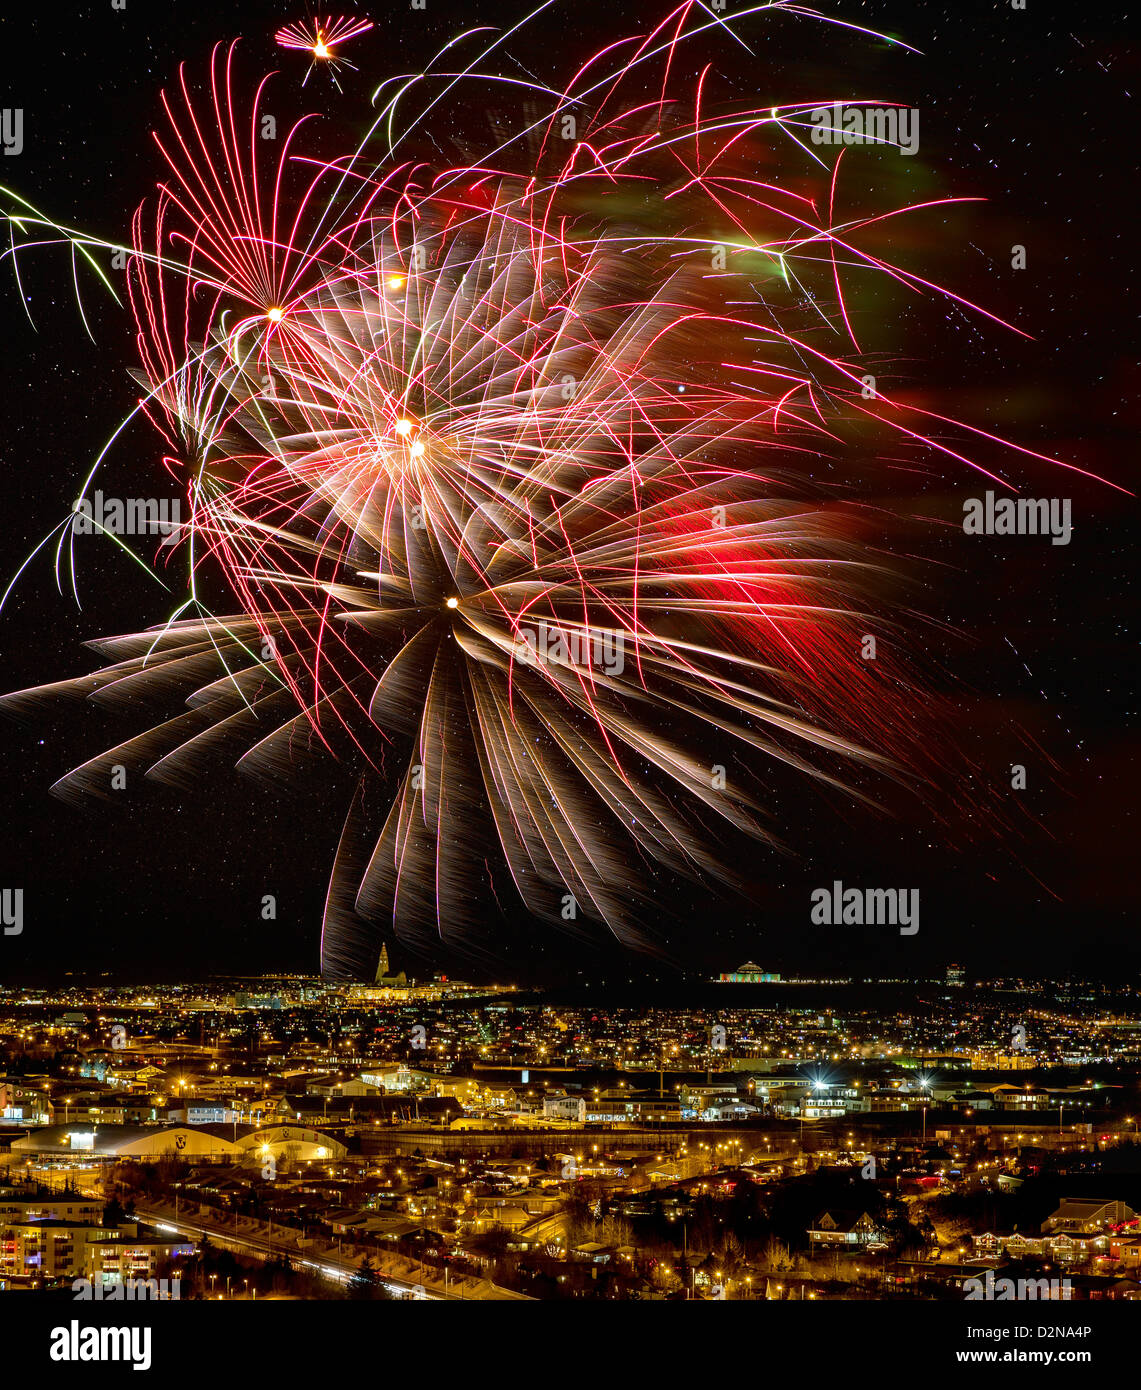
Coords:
pixel 200 1265
pixel 493 1242
pixel 171 1170
pixel 365 1283
pixel 729 1252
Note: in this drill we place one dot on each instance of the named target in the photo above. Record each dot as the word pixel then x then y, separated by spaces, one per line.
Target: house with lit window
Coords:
pixel 111 1257
pixel 1087 1216
pixel 564 1108
pixel 21 1104
pixel 850 1230
pixel 728 1108
pixel 825 1101
pixel 18 1206
pixel 1125 1251
pixel 33 1253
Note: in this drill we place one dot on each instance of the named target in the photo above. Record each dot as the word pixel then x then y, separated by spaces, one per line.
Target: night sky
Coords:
pixel 1031 110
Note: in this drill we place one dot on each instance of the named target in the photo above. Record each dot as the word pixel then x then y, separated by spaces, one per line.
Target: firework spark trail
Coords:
pixel 323 38
pixel 427 418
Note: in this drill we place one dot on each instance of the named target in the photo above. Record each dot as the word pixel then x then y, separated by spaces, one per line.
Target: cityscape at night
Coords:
pixel 281 1137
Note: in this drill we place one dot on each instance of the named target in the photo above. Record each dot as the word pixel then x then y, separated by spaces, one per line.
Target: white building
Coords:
pixel 565 1108
pixel 291 1141
pixel 87 1141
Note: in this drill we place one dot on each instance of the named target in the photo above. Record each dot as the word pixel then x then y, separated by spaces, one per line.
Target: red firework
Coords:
pixel 520 474
pixel 322 38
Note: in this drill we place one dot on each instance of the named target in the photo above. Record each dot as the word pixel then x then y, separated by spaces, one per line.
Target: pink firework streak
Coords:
pixel 322 38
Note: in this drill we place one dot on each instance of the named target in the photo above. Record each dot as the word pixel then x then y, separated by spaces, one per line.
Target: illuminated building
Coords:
pixel 749 974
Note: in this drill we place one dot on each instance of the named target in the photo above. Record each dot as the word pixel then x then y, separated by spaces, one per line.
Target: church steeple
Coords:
pixel 385 979
pixel 382 965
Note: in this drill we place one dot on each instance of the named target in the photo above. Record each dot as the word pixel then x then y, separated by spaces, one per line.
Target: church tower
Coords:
pixel 382 965
pixel 384 977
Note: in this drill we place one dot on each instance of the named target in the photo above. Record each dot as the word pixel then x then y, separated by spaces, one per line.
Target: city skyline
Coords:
pixel 296 1137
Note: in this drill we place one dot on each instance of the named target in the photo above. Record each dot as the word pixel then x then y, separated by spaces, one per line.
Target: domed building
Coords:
pixel 749 974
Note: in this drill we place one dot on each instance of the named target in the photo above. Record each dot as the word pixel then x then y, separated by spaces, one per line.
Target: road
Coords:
pixel 326 1260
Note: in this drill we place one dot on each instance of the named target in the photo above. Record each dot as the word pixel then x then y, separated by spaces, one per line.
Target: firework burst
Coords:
pixel 322 38
pixel 513 465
